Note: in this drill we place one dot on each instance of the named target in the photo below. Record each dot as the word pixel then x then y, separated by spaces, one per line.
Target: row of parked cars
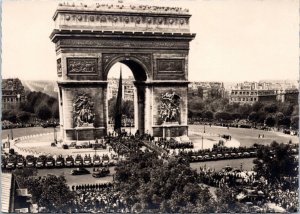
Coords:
pixel 43 161
pixel 222 156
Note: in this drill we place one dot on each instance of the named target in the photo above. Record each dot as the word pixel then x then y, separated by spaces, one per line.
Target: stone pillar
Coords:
pixel 148 110
pixel 136 117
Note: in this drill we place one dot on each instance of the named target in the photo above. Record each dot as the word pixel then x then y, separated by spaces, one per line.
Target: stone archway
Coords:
pixel 139 71
pixel 152 41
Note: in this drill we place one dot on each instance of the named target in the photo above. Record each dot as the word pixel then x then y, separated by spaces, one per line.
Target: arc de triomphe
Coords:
pixel 152 41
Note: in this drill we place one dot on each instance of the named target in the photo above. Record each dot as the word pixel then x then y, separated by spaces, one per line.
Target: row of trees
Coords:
pixel 38 105
pixel 272 113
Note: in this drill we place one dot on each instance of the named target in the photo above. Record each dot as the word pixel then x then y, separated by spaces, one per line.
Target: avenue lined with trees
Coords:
pixel 271 114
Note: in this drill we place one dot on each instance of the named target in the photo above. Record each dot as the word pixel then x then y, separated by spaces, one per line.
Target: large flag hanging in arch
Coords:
pixel 118 112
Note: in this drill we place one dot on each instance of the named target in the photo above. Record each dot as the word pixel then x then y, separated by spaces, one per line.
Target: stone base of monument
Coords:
pixel 83 134
pixel 170 129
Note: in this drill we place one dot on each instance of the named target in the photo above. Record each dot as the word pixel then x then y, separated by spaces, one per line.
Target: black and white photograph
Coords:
pixel 150 106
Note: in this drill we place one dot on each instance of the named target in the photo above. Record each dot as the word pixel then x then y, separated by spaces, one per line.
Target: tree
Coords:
pixel 285 121
pixel 50 192
pixel 257 106
pixel 271 108
pixel 23 116
pixel 295 122
pixel 147 183
pixel 226 201
pixel 208 115
pixel 253 116
pixel 275 162
pixel 44 113
pixel 9 115
pixel 222 116
pixel 270 121
pixel 128 108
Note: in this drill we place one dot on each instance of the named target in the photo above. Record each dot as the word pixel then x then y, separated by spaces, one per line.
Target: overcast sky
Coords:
pixel 237 40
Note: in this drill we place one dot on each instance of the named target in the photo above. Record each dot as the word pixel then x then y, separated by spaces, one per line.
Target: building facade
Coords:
pixel 13 93
pixel 207 90
pixel 128 88
pixel 250 92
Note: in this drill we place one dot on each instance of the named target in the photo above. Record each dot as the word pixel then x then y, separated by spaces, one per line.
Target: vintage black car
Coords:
pixel 69 161
pixel 49 161
pixel 87 161
pixel 3 161
pixel 60 161
pixel 78 161
pixel 20 162
pixel 11 162
pixel 105 160
pixel 100 172
pixel 30 161
pixel 96 160
pixel 80 171
pixel 40 162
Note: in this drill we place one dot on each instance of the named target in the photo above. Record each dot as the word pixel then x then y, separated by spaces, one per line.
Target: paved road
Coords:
pixel 78 179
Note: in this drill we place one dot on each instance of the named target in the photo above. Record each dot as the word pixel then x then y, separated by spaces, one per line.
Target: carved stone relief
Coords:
pixel 59 71
pixel 77 66
pixel 83 110
pixel 170 65
pixel 169 110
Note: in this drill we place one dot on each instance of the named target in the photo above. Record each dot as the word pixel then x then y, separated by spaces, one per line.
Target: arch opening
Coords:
pixel 133 95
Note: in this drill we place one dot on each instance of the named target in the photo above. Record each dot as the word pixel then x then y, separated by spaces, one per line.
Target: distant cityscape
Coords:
pixel 13 90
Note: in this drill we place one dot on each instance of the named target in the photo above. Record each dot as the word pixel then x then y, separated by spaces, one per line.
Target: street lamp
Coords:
pixel 204 129
pixel 130 126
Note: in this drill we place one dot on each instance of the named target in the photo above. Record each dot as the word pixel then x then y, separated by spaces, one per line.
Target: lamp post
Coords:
pixel 54 134
pixel 130 126
pixel 204 129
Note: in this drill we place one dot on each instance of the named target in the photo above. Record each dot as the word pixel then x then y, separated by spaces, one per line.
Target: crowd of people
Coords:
pixel 284 194
pixel 227 176
pixel 100 200
pixel 172 144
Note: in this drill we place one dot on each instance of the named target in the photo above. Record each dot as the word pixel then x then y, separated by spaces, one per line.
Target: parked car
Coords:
pixel 20 162
pixel 96 160
pixel 11 162
pixel 220 156
pixel 40 162
pixel 105 160
pixel 3 162
pixel 87 161
pixel 101 172
pixel 30 161
pixel 80 171
pixel 69 161
pixel 78 161
pixel 60 161
pixel 49 161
